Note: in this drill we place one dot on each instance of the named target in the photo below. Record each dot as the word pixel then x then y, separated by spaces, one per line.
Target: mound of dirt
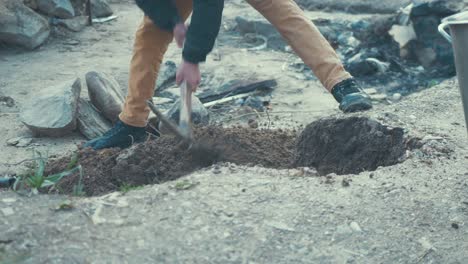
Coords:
pixel 349 145
pixel 160 160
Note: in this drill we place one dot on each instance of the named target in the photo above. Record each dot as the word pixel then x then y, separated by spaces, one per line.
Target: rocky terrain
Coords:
pixel 296 181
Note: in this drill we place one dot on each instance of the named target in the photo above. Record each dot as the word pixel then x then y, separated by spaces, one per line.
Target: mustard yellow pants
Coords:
pixel 301 34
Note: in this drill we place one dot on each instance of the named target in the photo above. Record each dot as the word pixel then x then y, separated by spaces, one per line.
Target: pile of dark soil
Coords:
pixel 343 146
pixel 160 160
pixel 349 146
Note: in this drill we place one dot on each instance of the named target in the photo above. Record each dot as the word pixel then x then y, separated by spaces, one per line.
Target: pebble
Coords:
pixel 396 97
pixel 355 226
pixel 7 211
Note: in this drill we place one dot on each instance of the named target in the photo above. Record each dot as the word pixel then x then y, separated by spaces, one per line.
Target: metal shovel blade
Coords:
pixel 185 125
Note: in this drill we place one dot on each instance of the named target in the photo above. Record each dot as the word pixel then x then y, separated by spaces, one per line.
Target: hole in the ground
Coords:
pixel 343 146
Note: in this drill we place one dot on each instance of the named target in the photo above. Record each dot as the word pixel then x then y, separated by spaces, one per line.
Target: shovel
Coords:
pixel 184 130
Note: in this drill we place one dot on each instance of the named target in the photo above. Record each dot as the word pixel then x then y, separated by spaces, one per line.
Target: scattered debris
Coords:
pixel 104 19
pixel 355 227
pixel 53 111
pixel 235 87
pixel 7 183
pixel 252 123
pixel 105 94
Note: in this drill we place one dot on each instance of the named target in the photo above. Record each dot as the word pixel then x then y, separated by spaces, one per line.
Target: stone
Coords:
pixel 200 115
pixel 7 101
pixel 7 211
pixel 91 123
pixel 105 94
pixel 75 24
pixel 56 8
pixel 21 26
pixel 19 142
pixel 100 8
pixel 166 76
pixel 365 67
pixel 396 97
pixel 355 227
pixel 53 111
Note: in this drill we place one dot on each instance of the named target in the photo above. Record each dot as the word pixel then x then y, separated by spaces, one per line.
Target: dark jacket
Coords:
pixel 203 29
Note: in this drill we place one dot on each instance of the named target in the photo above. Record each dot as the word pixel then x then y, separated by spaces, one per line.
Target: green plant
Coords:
pixel 125 188
pixel 35 178
pixel 78 189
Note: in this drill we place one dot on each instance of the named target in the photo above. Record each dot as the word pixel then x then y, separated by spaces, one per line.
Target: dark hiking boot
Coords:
pixel 120 136
pixel 351 96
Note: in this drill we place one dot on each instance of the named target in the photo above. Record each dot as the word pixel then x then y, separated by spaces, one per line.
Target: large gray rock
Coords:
pixel 56 8
pixel 90 122
pixel 53 111
pixel 19 25
pixel 105 94
pixel 100 8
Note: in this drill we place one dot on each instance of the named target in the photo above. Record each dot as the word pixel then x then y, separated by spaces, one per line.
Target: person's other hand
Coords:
pixel 190 73
pixel 179 34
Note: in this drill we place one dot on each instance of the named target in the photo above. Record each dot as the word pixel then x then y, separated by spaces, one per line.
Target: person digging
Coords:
pixel 164 21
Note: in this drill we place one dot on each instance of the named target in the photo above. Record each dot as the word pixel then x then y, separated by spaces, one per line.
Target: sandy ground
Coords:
pixel 414 212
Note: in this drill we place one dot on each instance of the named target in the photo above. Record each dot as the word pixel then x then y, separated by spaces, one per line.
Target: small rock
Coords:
pixel 253 123
pixel 166 76
pixel 345 183
pixel 200 115
pixel 7 100
pixel 53 111
pixel 56 8
pixel 24 142
pixel 91 123
pixel 21 26
pixel 455 226
pixel 355 226
pixel 75 24
pixel 7 211
pixel 396 97
pixel 105 94
pixel 100 8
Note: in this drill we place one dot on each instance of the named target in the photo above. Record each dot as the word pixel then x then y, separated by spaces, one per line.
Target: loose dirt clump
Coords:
pixel 349 145
pixel 162 159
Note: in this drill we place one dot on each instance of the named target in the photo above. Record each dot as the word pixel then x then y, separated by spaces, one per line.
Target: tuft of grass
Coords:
pixel 35 178
pixel 125 188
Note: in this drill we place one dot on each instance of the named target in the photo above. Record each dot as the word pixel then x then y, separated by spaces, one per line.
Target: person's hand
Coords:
pixel 189 73
pixel 179 34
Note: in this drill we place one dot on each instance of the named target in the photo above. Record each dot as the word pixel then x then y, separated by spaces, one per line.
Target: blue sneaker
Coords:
pixel 351 96
pixel 120 136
